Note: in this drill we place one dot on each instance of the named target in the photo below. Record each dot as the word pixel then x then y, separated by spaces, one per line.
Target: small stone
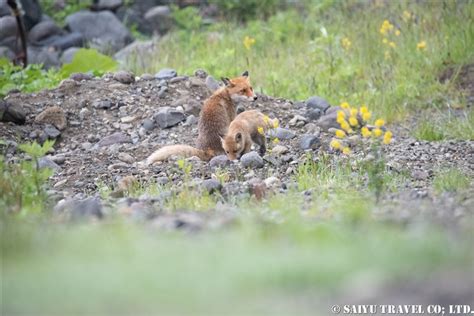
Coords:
pixel 11 113
pixel 105 104
pixel 128 119
pixel 282 133
pixel 191 120
pixel 212 185
pixel 200 73
pixel 279 150
pixel 166 74
pixel 80 76
pixel 126 158
pixel 148 124
pixel 309 142
pixel 297 118
pixel 51 131
pixel 116 138
pixel 272 182
pixel 327 121
pixel 125 77
pixel 46 162
pixel 147 77
pixel 252 160
pixel 178 79
pixel 313 114
pixel 212 84
pixel 53 115
pixel 59 159
pixel 420 175
pixel 84 113
pixel 86 146
pixel 168 117
pixel 219 161
pixel 316 102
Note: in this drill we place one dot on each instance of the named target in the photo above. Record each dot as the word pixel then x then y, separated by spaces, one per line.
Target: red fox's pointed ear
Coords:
pixel 245 74
pixel 227 82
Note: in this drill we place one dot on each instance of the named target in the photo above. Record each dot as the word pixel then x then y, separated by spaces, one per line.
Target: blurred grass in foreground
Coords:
pixel 119 268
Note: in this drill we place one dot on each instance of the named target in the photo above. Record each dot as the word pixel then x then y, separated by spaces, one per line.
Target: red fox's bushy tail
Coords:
pixel 185 151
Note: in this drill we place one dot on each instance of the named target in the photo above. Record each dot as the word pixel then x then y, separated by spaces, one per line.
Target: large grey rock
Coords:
pixel 42 55
pixel 316 102
pixel 78 209
pixel 219 161
pixel 251 160
pixel 116 138
pixel 63 42
pixel 6 52
pixel 108 5
pixel 166 73
pixel 160 19
pixel 138 52
pixel 103 28
pixel 7 27
pixel 11 113
pixel 68 55
pixel 4 8
pixel 212 84
pixel 308 141
pixel 51 131
pixel 43 30
pixel 282 133
pixel 168 117
pixel 33 13
pixel 313 114
pixel 328 121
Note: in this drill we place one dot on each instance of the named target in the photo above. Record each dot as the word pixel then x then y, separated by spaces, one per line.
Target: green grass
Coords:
pixel 440 126
pixel 121 268
pixel 299 54
pixel 451 180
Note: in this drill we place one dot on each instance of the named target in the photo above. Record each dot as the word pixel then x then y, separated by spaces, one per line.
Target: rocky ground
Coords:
pixel 105 128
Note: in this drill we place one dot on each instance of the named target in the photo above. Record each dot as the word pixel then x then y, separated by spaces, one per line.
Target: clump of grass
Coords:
pixel 446 126
pixel 450 180
pixel 426 130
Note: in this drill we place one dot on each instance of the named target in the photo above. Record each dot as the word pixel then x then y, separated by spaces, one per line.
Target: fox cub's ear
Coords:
pixel 227 82
pixel 238 137
pixel 245 74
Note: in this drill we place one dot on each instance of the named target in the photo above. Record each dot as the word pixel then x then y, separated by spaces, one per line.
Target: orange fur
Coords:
pixel 216 115
pixel 244 131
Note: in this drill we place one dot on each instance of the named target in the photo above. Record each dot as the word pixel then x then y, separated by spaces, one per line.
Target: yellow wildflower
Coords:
pixel 421 45
pixel 340 133
pixel 260 130
pixel 276 140
pixel 365 132
pixel 392 44
pixel 406 15
pixel 363 109
pixel 335 144
pixel 353 121
pixel 385 41
pixel 387 138
pixel 346 43
pixel 345 126
pixel 377 132
pixel 386 27
pixel 346 150
pixel 276 123
pixel 379 123
pixel 249 42
pixel 354 112
pixel 397 32
pixel 366 116
pixel 345 105
pixel 266 119
pixel 341 115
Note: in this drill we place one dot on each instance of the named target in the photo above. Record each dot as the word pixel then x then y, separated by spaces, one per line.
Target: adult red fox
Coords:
pixel 216 114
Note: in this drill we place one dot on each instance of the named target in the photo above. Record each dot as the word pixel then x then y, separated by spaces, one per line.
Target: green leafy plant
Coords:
pixel 186 18
pixel 59 13
pixel 22 185
pixel 89 60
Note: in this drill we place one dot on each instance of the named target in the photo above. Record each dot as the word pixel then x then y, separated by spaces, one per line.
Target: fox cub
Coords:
pixel 247 128
pixel 216 115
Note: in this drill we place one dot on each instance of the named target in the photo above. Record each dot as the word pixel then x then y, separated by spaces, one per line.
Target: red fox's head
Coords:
pixel 240 87
pixel 234 145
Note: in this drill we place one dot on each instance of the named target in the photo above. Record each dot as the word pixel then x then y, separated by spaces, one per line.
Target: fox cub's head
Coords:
pixel 234 145
pixel 240 87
